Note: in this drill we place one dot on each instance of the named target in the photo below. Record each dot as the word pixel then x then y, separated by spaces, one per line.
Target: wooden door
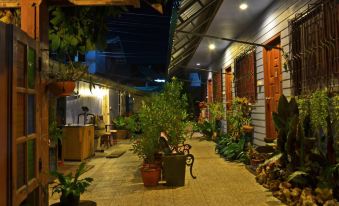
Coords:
pixel 217 86
pixel 228 87
pixel 273 84
pixel 26 124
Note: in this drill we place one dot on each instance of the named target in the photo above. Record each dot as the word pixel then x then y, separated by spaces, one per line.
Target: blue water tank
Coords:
pixel 195 80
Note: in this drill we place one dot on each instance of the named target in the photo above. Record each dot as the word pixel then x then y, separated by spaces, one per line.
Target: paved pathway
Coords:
pixel 117 182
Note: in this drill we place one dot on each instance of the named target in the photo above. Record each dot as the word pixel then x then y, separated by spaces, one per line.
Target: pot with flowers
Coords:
pixel 64 76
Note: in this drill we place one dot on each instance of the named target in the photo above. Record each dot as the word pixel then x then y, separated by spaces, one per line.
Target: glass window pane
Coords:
pixel 21 165
pixel 20 123
pixel 31 114
pixel 31 68
pixel 21 64
pixel 31 159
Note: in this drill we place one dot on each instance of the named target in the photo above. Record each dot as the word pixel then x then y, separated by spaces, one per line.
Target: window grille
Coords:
pixel 314 48
pixel 245 76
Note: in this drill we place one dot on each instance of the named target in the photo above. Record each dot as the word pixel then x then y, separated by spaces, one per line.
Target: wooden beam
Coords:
pixel 10 4
pixel 28 17
pixel 134 3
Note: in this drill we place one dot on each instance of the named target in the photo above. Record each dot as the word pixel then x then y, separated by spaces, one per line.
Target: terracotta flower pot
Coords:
pixel 248 128
pixel 256 162
pixel 150 175
pixel 62 88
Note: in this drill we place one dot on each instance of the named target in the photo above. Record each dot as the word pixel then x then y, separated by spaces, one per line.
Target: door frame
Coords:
pixel 272 40
pixel 18 195
pixel 5 150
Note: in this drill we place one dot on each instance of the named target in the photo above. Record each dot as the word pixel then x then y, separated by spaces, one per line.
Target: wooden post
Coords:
pixel 34 21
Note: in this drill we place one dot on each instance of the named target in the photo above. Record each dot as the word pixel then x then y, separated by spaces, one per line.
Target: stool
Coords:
pixel 114 136
pixel 106 140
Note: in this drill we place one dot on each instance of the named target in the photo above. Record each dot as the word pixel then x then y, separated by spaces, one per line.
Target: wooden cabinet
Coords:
pixel 78 142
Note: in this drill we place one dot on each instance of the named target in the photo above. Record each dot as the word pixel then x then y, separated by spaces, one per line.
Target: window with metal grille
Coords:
pixel 314 48
pixel 217 86
pixel 245 78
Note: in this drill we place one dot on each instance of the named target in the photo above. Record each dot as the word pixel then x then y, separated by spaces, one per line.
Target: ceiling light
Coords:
pixel 243 6
pixel 160 80
pixel 211 46
pixel 198 64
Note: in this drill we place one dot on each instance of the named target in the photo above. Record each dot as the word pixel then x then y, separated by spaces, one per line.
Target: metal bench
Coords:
pixel 183 149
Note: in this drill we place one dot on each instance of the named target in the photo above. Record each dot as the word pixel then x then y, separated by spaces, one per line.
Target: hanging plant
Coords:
pixel 79 29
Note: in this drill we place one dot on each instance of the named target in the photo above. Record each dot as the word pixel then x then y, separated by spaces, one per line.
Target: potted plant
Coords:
pixel 217 113
pixel 171 106
pixel 120 124
pixel 71 187
pixel 146 145
pixel 64 76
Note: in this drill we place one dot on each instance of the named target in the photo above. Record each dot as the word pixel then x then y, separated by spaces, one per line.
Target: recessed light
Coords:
pixel 211 46
pixel 243 6
pixel 198 64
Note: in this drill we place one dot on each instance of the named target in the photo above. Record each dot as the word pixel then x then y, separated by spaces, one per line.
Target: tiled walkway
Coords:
pixel 117 182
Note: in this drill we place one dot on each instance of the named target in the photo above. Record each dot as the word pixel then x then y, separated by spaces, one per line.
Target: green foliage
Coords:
pixel 146 144
pixel 120 122
pixel 319 110
pixel 170 110
pixel 290 139
pixel 163 112
pixel 217 112
pixel 232 150
pixel 79 29
pixel 72 185
pixel 238 116
pixel 132 124
pixel 54 132
pixel 70 71
pixel 275 158
pixel 300 178
pixel 206 128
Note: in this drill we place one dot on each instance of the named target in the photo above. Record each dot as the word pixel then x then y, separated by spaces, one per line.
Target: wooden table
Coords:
pixel 82 203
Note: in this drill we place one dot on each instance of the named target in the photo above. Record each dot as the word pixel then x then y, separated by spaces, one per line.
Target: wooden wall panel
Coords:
pixel 274 20
pixel 3 117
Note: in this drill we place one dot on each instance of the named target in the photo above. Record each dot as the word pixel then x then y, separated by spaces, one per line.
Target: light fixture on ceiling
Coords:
pixel 211 46
pixel 198 64
pixel 243 5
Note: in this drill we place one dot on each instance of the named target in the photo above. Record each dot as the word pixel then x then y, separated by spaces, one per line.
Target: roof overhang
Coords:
pixel 193 16
pixel 17 3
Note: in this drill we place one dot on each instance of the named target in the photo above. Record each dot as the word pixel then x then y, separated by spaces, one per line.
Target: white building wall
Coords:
pixel 272 22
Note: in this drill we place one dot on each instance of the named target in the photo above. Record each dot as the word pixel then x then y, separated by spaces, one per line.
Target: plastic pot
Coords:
pixel 174 168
